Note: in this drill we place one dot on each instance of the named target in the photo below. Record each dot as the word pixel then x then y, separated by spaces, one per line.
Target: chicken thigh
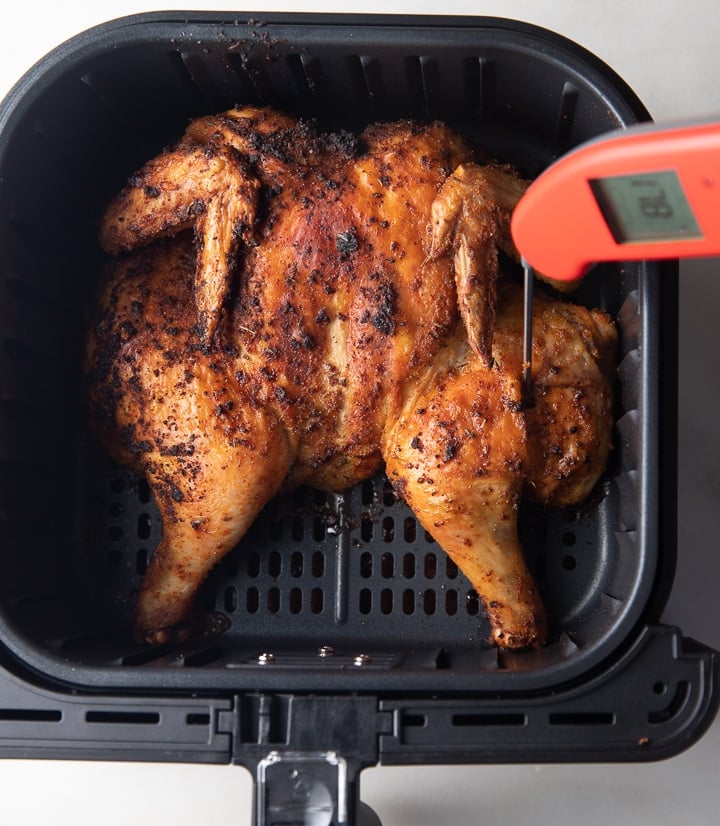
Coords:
pixel 290 308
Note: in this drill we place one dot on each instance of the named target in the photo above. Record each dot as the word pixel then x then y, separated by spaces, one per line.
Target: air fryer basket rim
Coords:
pixel 122 29
pixel 181 29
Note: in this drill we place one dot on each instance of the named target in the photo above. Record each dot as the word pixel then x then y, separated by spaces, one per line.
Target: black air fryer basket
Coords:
pixel 352 640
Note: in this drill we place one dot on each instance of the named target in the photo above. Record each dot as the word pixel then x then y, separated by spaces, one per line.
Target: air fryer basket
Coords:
pixel 332 593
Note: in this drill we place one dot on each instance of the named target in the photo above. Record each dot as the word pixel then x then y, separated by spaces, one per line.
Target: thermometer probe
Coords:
pixel 644 193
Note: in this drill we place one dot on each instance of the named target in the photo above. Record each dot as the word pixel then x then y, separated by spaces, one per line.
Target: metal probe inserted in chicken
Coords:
pixel 287 307
pixel 528 291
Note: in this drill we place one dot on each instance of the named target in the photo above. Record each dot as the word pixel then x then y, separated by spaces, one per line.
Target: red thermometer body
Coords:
pixel 642 193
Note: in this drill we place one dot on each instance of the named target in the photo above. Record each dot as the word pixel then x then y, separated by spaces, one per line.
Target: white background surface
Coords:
pixel 668 51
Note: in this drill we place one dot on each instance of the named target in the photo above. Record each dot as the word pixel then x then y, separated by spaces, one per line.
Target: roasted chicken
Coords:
pixel 286 307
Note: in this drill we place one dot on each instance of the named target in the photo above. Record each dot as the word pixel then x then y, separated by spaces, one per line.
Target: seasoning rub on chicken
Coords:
pixel 286 307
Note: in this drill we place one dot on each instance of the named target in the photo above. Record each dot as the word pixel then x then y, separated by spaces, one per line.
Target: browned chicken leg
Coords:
pixel 321 305
pixel 169 411
pixel 465 449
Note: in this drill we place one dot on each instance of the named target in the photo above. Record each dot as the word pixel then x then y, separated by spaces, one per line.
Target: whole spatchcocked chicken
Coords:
pixel 286 307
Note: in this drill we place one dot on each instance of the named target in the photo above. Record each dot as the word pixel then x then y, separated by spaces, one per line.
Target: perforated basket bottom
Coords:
pixel 325 573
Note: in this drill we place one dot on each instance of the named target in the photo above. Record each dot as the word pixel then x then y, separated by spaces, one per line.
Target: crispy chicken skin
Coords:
pixel 289 308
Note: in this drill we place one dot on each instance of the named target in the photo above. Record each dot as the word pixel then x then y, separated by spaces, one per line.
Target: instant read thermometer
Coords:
pixel 647 192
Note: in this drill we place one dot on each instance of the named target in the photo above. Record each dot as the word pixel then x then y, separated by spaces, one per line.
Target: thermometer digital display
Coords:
pixel 647 207
pixel 643 193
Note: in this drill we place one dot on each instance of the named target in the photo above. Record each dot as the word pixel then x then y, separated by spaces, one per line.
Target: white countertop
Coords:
pixel 668 52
